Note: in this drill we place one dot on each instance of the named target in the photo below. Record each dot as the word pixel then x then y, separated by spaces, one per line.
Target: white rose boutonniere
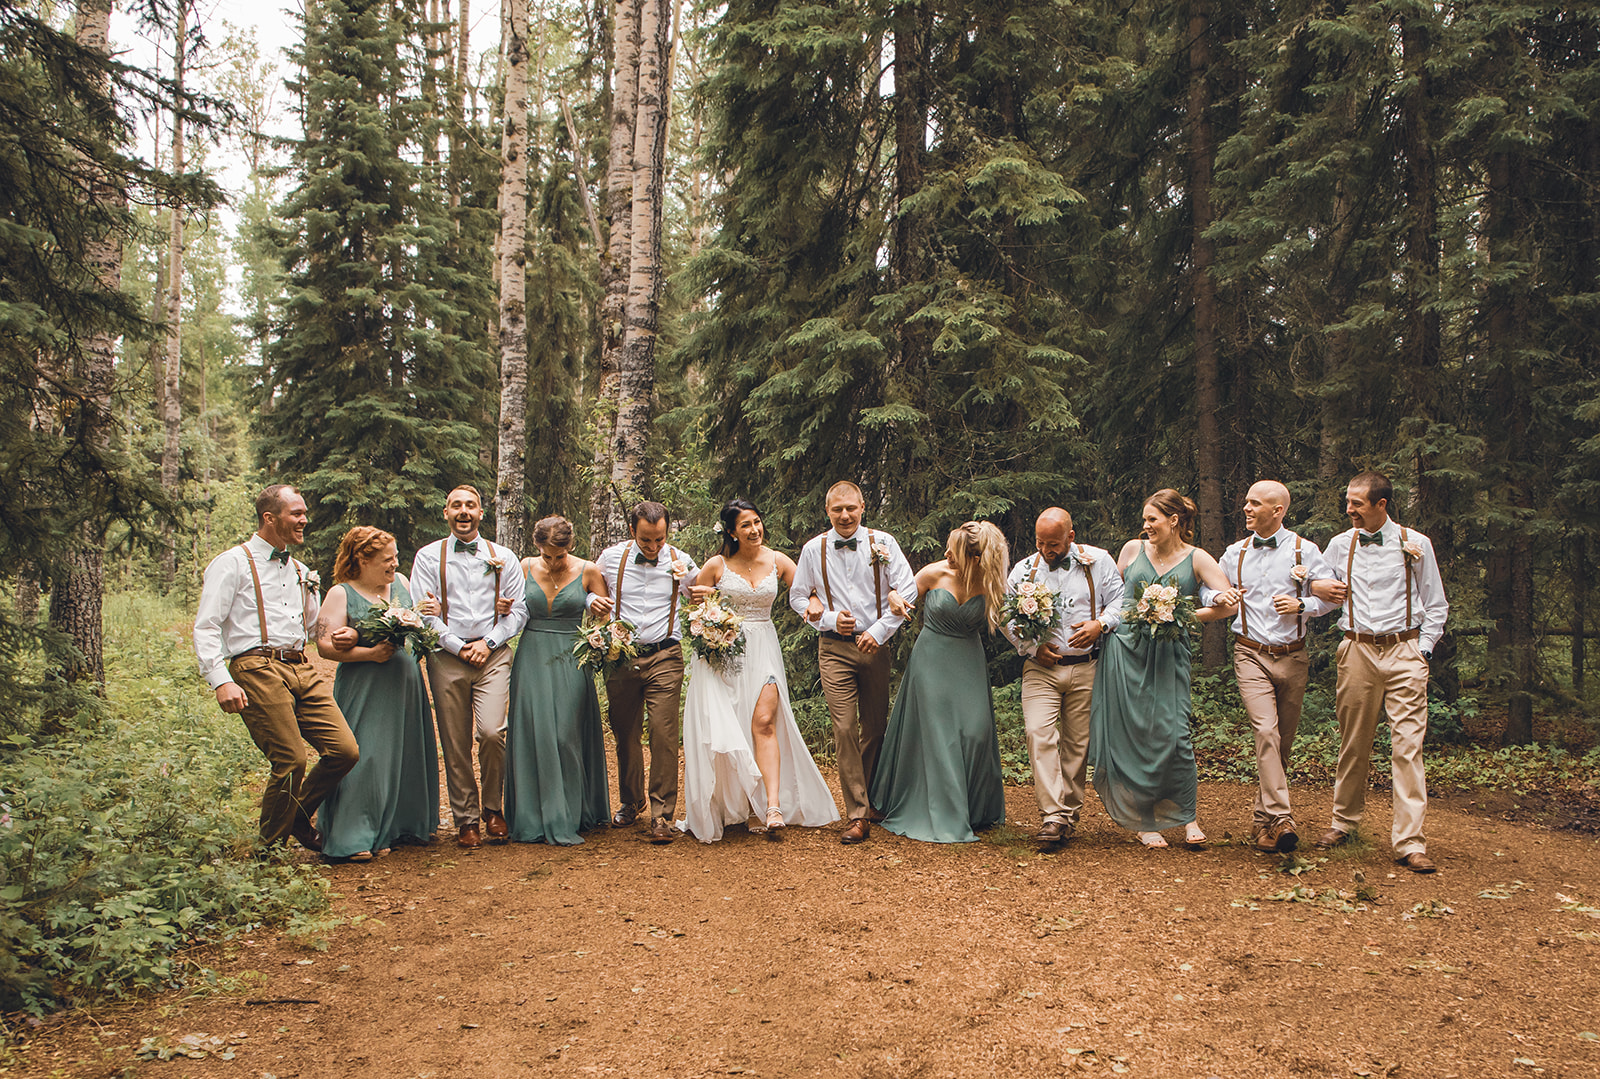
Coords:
pixel 1083 558
pixel 311 579
pixel 676 567
pixel 1300 573
pixel 1413 550
pixel 878 553
pixel 493 565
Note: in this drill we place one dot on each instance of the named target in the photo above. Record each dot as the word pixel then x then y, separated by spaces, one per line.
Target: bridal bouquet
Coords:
pixel 712 630
pixel 605 646
pixel 400 626
pixel 1033 611
pixel 1161 612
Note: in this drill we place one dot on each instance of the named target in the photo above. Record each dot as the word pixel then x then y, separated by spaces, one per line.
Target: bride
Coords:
pixel 742 752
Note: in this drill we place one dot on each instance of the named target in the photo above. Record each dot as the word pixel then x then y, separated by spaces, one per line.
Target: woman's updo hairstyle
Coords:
pixel 728 520
pixel 357 546
pixel 979 556
pixel 553 531
pixel 1170 503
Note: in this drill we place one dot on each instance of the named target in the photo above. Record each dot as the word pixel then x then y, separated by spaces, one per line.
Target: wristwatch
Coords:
pixel 1302 606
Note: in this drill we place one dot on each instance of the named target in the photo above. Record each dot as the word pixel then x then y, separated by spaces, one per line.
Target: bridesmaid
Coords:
pixel 1139 744
pixel 556 781
pixel 938 777
pixel 392 794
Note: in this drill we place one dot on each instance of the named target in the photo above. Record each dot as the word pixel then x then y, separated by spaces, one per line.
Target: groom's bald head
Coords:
pixel 1053 534
pixel 1264 506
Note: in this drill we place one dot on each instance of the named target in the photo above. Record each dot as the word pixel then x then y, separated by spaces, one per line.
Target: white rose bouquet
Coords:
pixel 400 626
pixel 603 647
pixel 713 631
pixel 1160 611
pixel 1033 611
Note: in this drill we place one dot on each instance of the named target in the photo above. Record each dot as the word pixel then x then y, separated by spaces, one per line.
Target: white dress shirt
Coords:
pixel 1268 572
pixel 470 583
pixel 850 582
pixel 647 590
pixel 228 622
pixel 1070 581
pixel 1377 585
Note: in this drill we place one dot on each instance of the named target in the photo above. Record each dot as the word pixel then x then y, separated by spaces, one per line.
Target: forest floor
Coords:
pixel 894 958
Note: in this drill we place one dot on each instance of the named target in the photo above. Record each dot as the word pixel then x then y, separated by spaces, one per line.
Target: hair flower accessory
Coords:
pixel 717 528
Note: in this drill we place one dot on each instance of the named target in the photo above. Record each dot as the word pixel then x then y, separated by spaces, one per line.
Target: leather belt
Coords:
pixel 1269 649
pixel 282 655
pixel 1073 661
pixel 847 638
pixel 659 646
pixel 1383 638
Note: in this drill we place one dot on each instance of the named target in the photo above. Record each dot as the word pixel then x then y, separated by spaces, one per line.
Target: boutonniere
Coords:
pixel 493 565
pixel 879 553
pixel 310 578
pixel 1413 549
pixel 676 568
pixel 1300 573
pixel 1083 558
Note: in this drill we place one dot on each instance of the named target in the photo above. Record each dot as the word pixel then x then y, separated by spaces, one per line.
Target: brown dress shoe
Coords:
pixel 1285 838
pixel 308 836
pixel 494 824
pixel 857 831
pixel 1330 839
pixel 1053 831
pixel 468 837
pixel 1418 862
pixel 1263 840
pixel 624 817
pixel 661 831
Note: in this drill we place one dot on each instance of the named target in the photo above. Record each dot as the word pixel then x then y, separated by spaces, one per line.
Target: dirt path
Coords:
pixel 897 958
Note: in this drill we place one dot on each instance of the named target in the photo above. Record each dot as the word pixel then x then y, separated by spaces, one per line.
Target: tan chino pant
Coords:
pixel 1374 679
pixel 291 704
pixel 1055 714
pixel 469 703
pixel 856 687
pixel 649 690
pixel 1274 690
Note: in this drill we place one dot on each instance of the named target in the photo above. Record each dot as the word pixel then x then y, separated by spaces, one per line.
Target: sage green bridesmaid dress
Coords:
pixel 938 777
pixel 1139 744
pixel 555 750
pixel 392 794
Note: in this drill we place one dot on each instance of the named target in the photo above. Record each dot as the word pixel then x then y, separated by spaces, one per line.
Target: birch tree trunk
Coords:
pixel 171 401
pixel 77 593
pixel 637 376
pixel 510 509
pixel 605 515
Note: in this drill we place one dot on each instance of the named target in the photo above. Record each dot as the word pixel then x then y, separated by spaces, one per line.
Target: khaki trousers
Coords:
pixel 1055 714
pixel 1273 689
pixel 648 690
pixel 856 687
pixel 1374 679
pixel 470 703
pixel 290 705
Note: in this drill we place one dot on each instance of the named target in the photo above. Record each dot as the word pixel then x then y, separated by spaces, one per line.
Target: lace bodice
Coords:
pixel 755 604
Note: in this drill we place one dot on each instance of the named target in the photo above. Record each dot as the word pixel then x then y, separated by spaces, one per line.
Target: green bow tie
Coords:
pixel 1368 541
pixel 279 556
pixel 1270 541
pixel 470 548
pixel 849 543
pixel 641 560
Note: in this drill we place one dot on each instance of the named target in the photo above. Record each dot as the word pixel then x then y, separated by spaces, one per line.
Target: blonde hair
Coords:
pixel 359 544
pixel 980 558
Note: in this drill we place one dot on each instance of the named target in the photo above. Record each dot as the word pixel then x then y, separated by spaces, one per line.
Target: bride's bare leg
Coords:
pixel 764 737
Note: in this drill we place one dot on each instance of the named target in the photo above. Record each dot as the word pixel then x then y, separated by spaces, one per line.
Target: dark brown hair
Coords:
pixel 650 512
pixel 271 500
pixel 554 531
pixel 1377 487
pixel 1170 503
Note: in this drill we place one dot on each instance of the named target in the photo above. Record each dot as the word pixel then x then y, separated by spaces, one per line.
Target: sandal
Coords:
pixel 774 821
pixel 1153 840
pixel 1195 840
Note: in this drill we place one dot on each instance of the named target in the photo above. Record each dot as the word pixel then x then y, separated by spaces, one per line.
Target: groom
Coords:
pixel 852 570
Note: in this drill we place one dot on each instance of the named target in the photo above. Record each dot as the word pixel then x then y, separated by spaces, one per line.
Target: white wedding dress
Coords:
pixel 721 783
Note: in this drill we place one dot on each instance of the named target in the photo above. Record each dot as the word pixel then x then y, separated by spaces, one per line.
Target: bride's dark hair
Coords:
pixel 728 519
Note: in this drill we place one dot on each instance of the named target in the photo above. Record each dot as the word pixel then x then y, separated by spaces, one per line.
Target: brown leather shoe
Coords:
pixel 624 816
pixel 306 833
pixel 1263 840
pixel 661 831
pixel 469 837
pixel 494 824
pixel 1418 862
pixel 1330 839
pixel 1284 838
pixel 1054 831
pixel 857 831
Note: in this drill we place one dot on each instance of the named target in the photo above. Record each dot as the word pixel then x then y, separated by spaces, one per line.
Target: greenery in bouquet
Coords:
pixel 1160 611
pixel 605 646
pixel 1033 611
pixel 713 631
pixel 400 626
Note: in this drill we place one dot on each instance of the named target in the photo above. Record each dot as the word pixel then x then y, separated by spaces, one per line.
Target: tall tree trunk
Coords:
pixel 1578 577
pixel 630 470
pixel 456 103
pixel 909 343
pixel 510 507
pixel 171 399
pixel 1207 367
pixel 605 514
pixel 77 592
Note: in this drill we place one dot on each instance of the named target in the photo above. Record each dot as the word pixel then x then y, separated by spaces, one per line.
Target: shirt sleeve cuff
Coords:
pixel 451 643
pixel 218 676
pixel 829 622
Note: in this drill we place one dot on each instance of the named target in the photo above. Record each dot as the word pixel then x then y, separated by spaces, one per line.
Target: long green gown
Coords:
pixel 938 777
pixel 392 794
pixel 556 781
pixel 1139 743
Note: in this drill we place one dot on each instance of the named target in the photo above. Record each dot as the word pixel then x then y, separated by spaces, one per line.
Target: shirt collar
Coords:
pixel 1253 536
pixel 261 547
